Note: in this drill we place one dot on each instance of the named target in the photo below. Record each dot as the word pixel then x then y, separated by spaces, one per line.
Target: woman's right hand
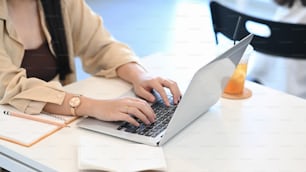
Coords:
pixel 121 109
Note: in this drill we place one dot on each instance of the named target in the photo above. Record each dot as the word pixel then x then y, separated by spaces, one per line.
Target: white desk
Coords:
pixel 264 133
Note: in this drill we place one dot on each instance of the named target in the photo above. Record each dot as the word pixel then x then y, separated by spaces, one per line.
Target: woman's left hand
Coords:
pixel 146 83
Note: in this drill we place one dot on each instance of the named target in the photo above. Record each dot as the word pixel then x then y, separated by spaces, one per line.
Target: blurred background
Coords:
pixel 155 26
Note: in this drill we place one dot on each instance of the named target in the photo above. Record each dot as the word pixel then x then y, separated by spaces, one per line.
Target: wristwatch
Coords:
pixel 74 102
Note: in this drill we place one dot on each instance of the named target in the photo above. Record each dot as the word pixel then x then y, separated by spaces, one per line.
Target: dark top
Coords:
pixel 40 63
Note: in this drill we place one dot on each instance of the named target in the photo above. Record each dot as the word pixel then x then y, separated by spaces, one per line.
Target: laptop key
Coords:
pixel 131 129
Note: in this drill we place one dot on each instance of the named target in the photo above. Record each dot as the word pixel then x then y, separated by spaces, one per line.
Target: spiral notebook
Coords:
pixel 25 129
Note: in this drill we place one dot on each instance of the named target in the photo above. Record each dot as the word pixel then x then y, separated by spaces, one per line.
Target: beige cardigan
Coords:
pixel 86 37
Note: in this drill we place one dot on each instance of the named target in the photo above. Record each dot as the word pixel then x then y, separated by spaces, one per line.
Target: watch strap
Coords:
pixel 73 108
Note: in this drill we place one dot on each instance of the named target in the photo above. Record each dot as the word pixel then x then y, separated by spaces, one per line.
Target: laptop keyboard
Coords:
pixel 163 115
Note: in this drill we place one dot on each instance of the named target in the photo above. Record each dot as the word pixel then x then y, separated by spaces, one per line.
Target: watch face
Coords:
pixel 75 101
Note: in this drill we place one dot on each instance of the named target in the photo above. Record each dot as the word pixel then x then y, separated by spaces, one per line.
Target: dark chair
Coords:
pixel 288 40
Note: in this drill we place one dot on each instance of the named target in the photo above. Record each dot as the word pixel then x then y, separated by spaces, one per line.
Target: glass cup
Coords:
pixel 235 87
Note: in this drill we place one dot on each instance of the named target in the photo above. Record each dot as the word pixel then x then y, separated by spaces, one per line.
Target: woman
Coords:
pixel 38 41
pixel 284 74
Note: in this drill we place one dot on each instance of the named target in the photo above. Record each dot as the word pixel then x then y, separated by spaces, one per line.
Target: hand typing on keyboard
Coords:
pixel 148 86
pixel 128 108
pixel 163 115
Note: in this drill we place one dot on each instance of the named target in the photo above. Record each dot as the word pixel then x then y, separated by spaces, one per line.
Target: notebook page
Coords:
pixel 97 153
pixel 22 131
pixel 61 119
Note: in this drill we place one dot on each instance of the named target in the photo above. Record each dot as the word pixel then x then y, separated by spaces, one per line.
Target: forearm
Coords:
pixel 107 110
pixel 64 109
pixel 131 72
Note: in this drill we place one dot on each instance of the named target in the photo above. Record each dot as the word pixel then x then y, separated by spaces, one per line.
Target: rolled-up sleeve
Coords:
pixel 28 95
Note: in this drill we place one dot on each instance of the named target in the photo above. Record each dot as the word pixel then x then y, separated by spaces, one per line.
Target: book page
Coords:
pixel 25 129
pixel 61 119
pixel 22 131
pixel 55 118
pixel 96 153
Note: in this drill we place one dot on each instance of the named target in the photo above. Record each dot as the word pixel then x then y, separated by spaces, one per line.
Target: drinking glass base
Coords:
pixel 245 94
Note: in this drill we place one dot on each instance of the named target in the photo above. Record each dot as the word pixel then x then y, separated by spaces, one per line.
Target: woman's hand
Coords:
pixel 146 83
pixel 122 109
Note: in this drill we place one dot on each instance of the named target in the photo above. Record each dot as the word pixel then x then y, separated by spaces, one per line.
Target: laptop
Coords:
pixel 203 91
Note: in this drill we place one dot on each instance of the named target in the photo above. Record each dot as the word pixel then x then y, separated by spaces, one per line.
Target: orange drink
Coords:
pixel 235 87
pixel 236 83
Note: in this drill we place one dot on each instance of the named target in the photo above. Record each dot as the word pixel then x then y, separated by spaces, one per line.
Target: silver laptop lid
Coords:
pixel 205 88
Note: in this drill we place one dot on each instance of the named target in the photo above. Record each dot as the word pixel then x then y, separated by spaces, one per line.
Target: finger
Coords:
pixel 140 109
pixel 145 109
pixel 128 118
pixel 137 113
pixel 161 91
pixel 174 89
pixel 177 95
pixel 145 94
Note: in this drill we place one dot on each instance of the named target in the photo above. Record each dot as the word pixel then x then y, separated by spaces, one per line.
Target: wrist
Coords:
pixel 131 72
pixel 74 103
pixel 87 106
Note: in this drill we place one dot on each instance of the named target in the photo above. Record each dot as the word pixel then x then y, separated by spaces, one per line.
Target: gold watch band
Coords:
pixel 74 102
pixel 73 109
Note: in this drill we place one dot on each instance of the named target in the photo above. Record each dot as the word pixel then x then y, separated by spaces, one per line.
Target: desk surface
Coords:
pixel 266 132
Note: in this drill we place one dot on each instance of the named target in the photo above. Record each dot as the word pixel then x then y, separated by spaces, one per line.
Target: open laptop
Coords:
pixel 204 90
